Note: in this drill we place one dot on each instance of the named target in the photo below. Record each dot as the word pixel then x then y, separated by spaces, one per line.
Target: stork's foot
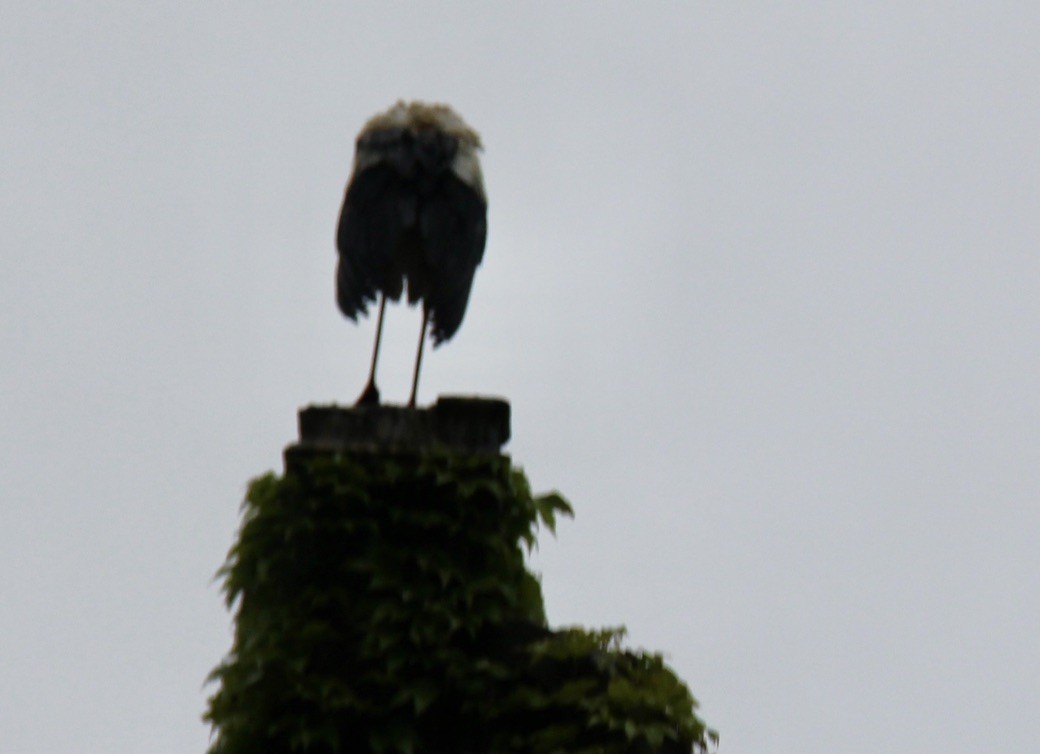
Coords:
pixel 370 396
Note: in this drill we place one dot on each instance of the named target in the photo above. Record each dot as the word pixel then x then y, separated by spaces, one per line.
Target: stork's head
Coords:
pixel 419 116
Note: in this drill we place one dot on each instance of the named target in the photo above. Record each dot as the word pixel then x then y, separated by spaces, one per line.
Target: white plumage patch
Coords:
pixel 418 116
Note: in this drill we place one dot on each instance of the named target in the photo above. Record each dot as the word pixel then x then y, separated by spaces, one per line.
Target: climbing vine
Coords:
pixel 383 604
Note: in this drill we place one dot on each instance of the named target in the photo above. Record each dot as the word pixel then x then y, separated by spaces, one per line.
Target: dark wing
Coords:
pixel 377 211
pixel 453 227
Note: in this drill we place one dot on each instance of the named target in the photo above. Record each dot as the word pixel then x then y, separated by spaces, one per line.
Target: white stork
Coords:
pixel 415 212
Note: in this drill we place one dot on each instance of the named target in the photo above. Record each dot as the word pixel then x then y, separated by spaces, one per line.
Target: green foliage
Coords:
pixel 383 605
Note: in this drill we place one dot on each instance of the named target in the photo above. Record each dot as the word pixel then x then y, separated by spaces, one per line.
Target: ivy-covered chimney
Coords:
pixel 383 604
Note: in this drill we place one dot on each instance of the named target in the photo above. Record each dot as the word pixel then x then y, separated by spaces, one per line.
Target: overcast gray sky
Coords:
pixel 761 284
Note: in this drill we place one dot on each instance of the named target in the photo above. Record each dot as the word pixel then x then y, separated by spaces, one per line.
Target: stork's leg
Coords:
pixel 370 395
pixel 418 356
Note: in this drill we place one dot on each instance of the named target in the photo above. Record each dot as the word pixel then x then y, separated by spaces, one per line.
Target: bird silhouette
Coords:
pixel 414 219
